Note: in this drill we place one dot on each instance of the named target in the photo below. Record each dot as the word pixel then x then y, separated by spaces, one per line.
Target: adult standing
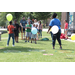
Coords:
pixel 16 30
pixel 66 29
pixel 23 23
pixel 56 22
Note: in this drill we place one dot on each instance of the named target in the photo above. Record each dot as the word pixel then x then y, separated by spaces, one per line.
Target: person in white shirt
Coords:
pixel 37 26
pixel 33 36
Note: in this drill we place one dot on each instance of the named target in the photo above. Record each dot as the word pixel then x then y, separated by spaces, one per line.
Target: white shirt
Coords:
pixel 36 24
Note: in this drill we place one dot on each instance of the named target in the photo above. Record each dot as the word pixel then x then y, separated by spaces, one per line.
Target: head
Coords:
pixel 40 22
pixel 23 18
pixel 54 15
pixel 15 21
pixel 29 22
pixel 33 25
pixel 65 21
pixel 35 20
pixel 10 22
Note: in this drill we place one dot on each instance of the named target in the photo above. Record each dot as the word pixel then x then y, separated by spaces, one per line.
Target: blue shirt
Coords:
pixel 56 22
pixel 23 22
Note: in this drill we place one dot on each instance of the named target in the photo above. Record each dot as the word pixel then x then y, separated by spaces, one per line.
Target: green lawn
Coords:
pixel 27 52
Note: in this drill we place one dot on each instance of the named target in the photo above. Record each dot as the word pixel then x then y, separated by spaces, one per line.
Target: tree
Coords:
pixel 16 15
pixel 42 15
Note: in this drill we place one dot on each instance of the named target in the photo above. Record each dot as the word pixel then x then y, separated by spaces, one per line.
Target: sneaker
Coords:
pixel 25 41
pixel 35 43
pixel 17 42
pixel 7 45
pixel 31 41
pixel 13 45
pixel 28 41
pixel 53 48
pixel 60 47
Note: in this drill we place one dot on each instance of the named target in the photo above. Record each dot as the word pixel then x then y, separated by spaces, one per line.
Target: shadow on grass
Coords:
pixel 17 49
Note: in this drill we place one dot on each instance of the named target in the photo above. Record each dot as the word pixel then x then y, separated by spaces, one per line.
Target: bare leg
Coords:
pixel 31 40
pixel 35 40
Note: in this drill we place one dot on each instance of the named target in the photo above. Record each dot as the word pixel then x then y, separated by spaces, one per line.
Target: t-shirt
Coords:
pixel 10 27
pixel 16 27
pixel 23 22
pixel 28 30
pixel 56 22
pixel 66 25
pixel 36 24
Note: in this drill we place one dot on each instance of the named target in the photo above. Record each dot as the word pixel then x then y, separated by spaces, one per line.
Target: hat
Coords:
pixel 28 17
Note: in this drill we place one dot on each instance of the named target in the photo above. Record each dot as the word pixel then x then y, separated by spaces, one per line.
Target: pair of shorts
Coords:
pixel 28 34
pixel 23 29
pixel 33 36
pixel 66 29
pixel 16 33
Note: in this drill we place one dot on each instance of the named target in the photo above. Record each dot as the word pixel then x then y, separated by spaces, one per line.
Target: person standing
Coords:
pixel 28 33
pixel 40 30
pixel 23 23
pixel 16 30
pixel 56 22
pixel 66 29
pixel 36 25
pixel 10 28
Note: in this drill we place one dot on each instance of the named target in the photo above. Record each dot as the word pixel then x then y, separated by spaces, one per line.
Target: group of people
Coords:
pixel 28 25
pixel 25 26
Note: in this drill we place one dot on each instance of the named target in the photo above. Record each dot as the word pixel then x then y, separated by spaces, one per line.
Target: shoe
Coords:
pixel 60 47
pixel 31 41
pixel 53 48
pixel 7 45
pixel 28 41
pixel 13 45
pixel 35 43
pixel 25 41
pixel 17 42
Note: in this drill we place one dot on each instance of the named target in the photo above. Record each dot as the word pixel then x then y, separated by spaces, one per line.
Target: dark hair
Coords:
pixel 10 22
pixel 15 20
pixel 23 16
pixel 54 15
pixel 66 20
pixel 40 22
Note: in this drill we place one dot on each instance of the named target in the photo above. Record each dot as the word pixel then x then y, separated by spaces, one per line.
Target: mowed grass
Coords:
pixel 27 52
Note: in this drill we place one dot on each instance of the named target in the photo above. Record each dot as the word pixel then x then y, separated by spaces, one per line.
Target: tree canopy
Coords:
pixel 32 15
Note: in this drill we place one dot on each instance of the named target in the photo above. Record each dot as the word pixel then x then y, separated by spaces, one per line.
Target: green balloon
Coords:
pixel 9 17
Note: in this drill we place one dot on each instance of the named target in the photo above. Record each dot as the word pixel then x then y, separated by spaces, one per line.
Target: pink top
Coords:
pixel 66 25
pixel 40 27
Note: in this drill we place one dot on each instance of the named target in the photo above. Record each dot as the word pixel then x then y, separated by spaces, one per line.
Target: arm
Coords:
pixel 49 29
pixel 21 24
pixel 50 25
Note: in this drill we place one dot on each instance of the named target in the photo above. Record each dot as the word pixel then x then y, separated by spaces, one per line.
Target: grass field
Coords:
pixel 27 52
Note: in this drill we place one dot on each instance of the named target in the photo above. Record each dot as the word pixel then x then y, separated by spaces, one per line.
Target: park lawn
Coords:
pixel 27 52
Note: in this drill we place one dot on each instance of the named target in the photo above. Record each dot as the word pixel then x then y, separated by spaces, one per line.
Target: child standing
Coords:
pixel 10 28
pixel 33 36
pixel 28 33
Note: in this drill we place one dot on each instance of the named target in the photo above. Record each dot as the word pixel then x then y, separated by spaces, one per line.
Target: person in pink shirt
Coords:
pixel 66 28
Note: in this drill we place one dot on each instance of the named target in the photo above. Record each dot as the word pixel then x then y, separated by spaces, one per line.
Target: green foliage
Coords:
pixel 33 15
pixel 41 15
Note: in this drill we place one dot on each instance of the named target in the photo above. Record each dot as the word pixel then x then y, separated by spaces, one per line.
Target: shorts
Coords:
pixel 23 30
pixel 66 29
pixel 28 34
pixel 16 33
pixel 33 36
